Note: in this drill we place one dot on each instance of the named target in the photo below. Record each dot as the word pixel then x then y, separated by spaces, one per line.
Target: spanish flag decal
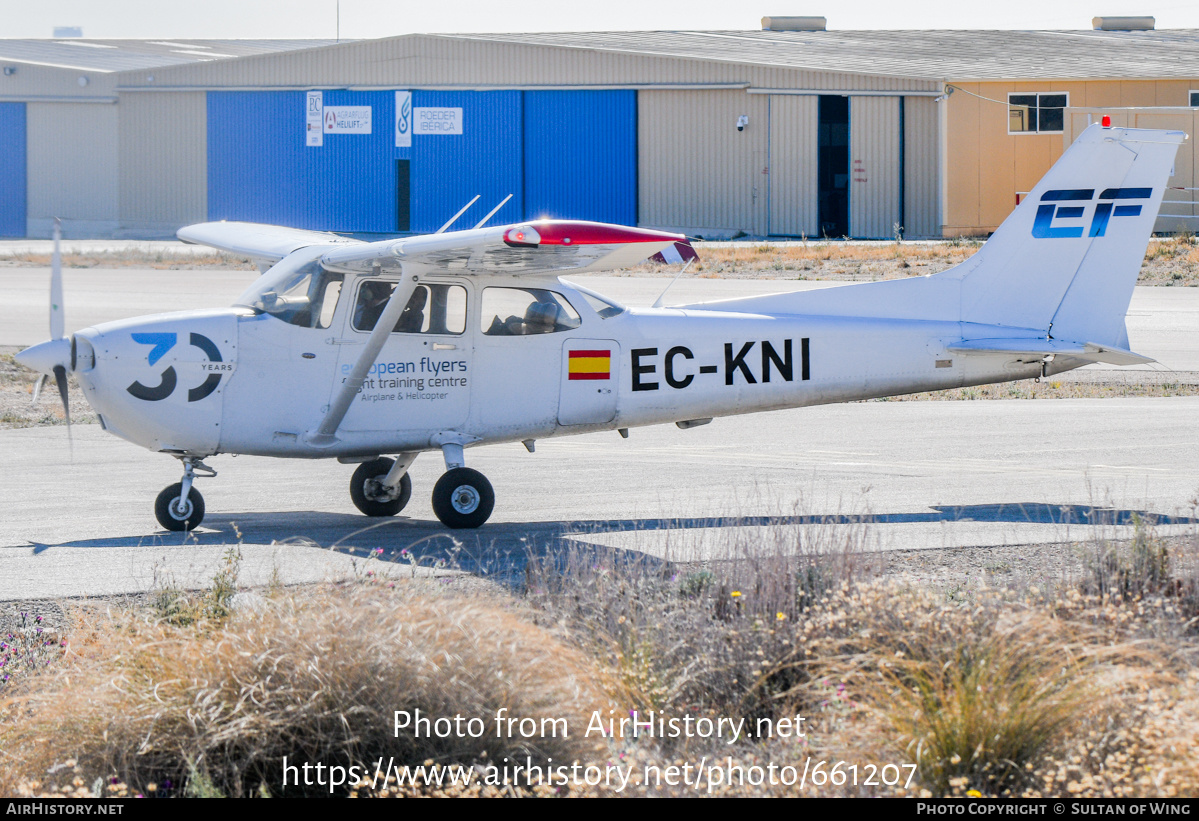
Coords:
pixel 590 365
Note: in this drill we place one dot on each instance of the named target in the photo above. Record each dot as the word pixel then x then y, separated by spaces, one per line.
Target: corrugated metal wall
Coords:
pixel 261 170
pixel 794 208
pixel 698 172
pixel 874 198
pixel 921 182
pixel 73 166
pixel 486 159
pixel 163 160
pixel 580 152
pixel 12 170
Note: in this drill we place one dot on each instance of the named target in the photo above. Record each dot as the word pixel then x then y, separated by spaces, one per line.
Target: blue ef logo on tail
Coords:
pixel 1048 211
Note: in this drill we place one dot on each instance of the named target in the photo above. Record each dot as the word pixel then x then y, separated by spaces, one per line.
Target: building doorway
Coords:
pixel 833 166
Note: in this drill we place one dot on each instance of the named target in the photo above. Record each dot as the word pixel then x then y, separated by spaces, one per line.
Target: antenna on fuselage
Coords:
pixel 658 301
pixel 491 213
pixel 454 218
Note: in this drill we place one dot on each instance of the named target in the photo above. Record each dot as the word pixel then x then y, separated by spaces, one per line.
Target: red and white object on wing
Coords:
pixel 523 249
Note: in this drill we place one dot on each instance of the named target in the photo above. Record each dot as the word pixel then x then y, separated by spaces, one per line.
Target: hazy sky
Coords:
pixel 379 18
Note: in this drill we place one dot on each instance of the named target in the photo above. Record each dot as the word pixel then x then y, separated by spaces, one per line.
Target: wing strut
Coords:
pixel 326 434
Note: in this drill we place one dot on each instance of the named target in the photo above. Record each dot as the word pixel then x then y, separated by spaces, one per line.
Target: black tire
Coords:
pixel 463 498
pixel 167 513
pixel 368 496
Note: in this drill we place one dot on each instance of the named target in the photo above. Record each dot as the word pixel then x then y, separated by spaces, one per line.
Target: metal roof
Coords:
pixel 929 55
pixel 122 55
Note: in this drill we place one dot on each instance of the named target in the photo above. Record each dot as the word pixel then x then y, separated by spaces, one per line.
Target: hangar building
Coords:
pixel 783 133
pixel 60 120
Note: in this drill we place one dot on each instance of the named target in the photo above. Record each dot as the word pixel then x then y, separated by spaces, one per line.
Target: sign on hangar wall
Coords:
pixel 437 120
pixel 347 119
pixel 314 119
pixel 320 119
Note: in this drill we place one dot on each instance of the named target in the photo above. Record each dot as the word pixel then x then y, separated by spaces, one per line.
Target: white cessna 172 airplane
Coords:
pixel 352 350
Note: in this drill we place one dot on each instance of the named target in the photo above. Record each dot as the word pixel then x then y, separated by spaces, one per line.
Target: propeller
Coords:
pixel 55 356
pixel 58 324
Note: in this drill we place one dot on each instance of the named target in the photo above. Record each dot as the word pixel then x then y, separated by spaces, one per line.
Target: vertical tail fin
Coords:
pixel 1066 260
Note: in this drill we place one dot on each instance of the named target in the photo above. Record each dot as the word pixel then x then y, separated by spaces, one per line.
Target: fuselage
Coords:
pixel 239 380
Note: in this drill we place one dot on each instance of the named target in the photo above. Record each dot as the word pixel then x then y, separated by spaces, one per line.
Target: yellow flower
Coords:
pixel 780 616
pixel 974 793
pixel 736 594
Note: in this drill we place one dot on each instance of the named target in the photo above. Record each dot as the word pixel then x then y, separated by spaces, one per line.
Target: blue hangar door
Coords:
pixel 580 151
pixel 12 170
pixel 564 154
pixel 261 168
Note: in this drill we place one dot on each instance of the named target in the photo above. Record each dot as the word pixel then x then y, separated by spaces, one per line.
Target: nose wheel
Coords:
pixel 176 512
pixel 180 506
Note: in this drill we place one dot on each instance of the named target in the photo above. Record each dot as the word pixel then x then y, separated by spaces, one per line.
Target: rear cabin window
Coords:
pixel 526 311
pixel 433 308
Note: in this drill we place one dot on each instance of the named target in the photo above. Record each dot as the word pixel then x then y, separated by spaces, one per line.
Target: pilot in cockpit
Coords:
pixel 373 297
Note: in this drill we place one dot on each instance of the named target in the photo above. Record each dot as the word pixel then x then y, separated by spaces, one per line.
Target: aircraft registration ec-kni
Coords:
pixel 374 352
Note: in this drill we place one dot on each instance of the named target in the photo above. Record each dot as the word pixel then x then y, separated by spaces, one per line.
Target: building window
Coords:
pixel 1037 113
pixel 1194 99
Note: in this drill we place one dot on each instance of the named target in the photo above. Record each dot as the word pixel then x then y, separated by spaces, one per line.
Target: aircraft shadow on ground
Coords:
pixel 505 549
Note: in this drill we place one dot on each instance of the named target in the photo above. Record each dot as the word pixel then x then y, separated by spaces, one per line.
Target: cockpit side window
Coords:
pixel 307 297
pixel 433 308
pixel 526 311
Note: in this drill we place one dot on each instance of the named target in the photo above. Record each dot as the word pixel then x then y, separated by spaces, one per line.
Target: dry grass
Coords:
pixel 1089 690
pixel 158 259
pixel 823 260
pixel 17 408
pixel 314 676
pixel 1169 261
pixel 711 640
pixel 976 696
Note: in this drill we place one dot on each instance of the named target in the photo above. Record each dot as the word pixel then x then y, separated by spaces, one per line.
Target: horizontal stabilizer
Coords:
pixel 1033 350
pixel 269 243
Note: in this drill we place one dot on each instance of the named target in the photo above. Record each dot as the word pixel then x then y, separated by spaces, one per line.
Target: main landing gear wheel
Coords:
pixel 369 494
pixel 175 516
pixel 463 498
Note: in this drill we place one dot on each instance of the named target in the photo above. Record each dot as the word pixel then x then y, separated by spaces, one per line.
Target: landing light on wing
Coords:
pixel 522 237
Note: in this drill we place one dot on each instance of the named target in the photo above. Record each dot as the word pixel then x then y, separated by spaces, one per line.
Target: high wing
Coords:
pixel 524 249
pixel 261 243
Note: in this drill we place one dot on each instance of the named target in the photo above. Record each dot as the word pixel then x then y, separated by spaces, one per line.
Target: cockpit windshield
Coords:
pixel 297 290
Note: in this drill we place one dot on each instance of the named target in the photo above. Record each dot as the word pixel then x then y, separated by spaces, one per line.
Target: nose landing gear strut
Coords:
pixel 180 506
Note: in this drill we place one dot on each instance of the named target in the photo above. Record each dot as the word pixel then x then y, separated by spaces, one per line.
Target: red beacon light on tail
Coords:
pixel 1107 121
